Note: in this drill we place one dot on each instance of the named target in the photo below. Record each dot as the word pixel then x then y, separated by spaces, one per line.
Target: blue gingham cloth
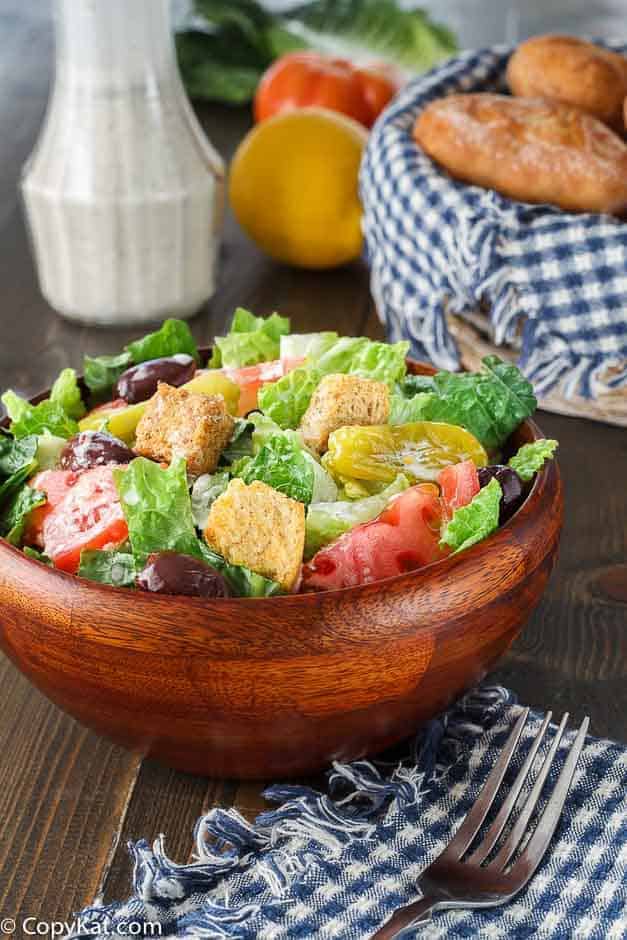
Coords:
pixel 555 283
pixel 337 865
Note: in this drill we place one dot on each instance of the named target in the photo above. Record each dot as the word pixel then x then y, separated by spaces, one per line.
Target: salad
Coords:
pixel 286 462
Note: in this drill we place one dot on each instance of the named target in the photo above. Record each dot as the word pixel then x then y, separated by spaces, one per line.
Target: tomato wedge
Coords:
pixel 459 484
pixel 83 511
pixel 56 485
pixel 403 537
pixel 251 378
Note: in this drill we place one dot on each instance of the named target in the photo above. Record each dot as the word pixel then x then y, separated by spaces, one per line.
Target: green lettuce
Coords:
pixel 531 457
pixel 405 410
pixel 250 340
pixel 474 522
pixel 205 491
pixel 36 555
pixel 242 581
pixel 27 419
pixel 173 337
pixel 116 568
pixel 324 486
pixel 282 465
pixel 490 404
pixel 66 393
pixel 241 444
pixel 326 521
pixel 287 400
pixel 49 449
pixel 368 358
pixel 16 512
pixel 17 463
pixel 311 345
pixel 157 507
pixel 100 373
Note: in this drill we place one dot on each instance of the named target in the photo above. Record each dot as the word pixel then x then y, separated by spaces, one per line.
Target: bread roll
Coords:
pixel 533 150
pixel 572 71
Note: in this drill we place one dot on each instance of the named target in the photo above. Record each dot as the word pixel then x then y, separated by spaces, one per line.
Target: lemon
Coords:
pixel 293 187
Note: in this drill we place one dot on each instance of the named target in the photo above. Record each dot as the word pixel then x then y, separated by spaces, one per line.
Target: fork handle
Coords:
pixel 403 917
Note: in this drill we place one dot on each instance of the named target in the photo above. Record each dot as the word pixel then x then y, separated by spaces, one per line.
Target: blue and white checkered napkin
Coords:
pixel 555 283
pixel 336 867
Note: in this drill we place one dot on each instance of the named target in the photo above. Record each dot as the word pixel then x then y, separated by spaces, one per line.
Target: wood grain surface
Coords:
pixel 68 800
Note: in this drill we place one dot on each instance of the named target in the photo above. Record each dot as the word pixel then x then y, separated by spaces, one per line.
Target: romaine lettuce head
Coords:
pixel 326 521
pixel 475 521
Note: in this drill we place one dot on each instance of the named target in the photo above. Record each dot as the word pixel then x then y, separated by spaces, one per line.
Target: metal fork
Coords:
pixel 451 881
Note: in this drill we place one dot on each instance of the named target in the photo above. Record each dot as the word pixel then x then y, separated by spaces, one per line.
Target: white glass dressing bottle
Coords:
pixel 123 192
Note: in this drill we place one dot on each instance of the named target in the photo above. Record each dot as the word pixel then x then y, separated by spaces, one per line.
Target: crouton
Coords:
pixel 342 400
pixel 260 528
pixel 178 423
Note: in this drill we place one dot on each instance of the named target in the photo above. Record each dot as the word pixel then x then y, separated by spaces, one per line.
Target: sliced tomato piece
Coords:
pixel 404 537
pixel 55 484
pixel 88 516
pixel 251 378
pixel 459 484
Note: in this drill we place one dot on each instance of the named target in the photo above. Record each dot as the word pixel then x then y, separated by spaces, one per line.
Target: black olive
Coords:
pixel 139 383
pixel 94 449
pixel 173 573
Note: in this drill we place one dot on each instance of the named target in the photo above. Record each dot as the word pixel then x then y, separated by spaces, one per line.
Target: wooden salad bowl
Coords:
pixel 276 687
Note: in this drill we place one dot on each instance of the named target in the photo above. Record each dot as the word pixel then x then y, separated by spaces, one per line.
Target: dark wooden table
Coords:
pixel 69 801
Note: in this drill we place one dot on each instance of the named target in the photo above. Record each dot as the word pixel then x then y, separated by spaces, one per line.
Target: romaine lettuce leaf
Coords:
pixel 172 338
pixel 241 443
pixel 100 373
pixel 532 457
pixel 326 521
pixel 27 419
pixel 205 491
pixel 242 581
pixel 17 463
pixel 411 384
pixel 116 568
pixel 66 393
pixel 405 410
pixel 49 449
pixel 490 404
pixel 157 507
pixel 295 345
pixel 475 521
pixel 250 340
pixel 282 465
pixel 16 512
pixel 324 486
pixel 287 400
pixel 365 357
pixel 36 555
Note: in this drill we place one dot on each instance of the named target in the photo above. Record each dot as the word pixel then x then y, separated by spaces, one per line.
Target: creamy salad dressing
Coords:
pixel 123 193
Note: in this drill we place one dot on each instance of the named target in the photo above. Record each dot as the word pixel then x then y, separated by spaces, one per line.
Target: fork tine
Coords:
pixel 532 854
pixel 496 828
pixel 520 826
pixel 478 812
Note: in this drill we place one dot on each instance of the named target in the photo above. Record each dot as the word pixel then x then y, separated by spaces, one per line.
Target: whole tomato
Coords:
pixel 301 79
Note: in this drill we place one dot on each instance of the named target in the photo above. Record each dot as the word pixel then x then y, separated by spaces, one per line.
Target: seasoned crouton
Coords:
pixel 260 528
pixel 178 423
pixel 342 400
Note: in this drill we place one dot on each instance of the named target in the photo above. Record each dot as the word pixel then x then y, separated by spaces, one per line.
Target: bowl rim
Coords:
pixel 441 565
